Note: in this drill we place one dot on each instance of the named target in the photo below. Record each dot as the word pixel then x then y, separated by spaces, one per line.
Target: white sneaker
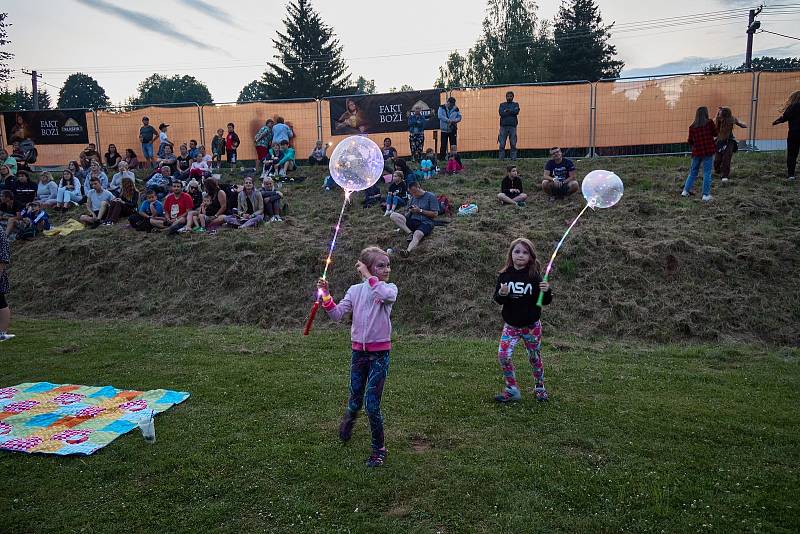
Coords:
pixel 6 337
pixel 385 213
pixel 707 198
pixel 725 179
pixel 278 218
pixel 684 193
pixel 791 178
pixel 272 219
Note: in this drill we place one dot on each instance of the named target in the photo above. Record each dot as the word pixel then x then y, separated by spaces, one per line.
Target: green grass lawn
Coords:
pixel 636 437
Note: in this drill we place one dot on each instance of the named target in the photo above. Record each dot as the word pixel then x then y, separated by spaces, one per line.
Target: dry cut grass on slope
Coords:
pixel 656 266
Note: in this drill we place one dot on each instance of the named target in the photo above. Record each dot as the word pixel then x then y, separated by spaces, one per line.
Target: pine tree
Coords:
pixel 310 62
pixel 581 49
pixel 5 72
pixel 82 91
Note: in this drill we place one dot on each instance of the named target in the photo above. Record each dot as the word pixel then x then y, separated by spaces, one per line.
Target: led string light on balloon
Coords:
pixel 356 164
pixel 601 189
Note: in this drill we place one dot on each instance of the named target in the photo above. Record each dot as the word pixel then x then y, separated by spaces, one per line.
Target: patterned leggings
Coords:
pixel 532 337
pixel 368 372
pixel 417 143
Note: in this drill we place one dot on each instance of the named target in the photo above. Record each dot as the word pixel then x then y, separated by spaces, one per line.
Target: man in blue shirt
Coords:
pixel 558 179
pixel 449 117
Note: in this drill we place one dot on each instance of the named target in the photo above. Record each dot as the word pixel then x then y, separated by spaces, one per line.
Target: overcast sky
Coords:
pixel 225 44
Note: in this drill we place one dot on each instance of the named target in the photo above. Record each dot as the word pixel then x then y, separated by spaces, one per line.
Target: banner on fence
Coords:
pixel 365 114
pixel 47 127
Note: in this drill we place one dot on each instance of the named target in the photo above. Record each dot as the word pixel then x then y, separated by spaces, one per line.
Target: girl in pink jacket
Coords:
pixel 371 305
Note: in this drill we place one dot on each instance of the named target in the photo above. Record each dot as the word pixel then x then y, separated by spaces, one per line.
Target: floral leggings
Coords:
pixel 532 338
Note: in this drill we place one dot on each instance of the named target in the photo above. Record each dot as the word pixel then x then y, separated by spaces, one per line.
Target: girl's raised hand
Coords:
pixel 362 270
pixel 544 286
pixel 322 284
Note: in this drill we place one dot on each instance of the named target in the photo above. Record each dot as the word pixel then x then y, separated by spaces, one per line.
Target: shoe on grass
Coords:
pixel 4 336
pixel 541 394
pixel 508 395
pixel 377 458
pixel 724 178
pixel 521 204
pixel 684 193
pixel 707 198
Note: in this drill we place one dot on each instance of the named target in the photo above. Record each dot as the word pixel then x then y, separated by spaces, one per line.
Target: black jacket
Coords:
pixel 519 306
pixel 792 116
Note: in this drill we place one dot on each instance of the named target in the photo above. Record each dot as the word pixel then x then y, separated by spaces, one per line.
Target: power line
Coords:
pixel 780 34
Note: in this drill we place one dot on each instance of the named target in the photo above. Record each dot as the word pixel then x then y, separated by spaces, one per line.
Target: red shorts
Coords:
pixel 262 152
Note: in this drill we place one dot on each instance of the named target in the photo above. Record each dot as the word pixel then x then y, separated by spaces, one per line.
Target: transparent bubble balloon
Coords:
pixel 356 163
pixel 602 189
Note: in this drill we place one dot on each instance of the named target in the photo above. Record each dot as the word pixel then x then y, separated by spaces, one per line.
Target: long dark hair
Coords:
pixel 700 117
pixel 212 187
pixel 534 267
pixel 401 165
pixel 62 183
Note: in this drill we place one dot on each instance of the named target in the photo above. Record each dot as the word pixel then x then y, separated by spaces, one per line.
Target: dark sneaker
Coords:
pixel 508 395
pixel 541 394
pixel 521 204
pixel 377 459
pixel 346 427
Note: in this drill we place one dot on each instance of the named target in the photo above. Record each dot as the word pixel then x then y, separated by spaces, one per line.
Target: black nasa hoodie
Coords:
pixel 519 306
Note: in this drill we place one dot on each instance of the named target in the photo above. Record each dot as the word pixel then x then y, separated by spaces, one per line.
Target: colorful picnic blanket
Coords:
pixel 69 419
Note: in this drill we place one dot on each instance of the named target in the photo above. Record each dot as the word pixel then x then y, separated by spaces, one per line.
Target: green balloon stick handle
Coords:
pixel 541 294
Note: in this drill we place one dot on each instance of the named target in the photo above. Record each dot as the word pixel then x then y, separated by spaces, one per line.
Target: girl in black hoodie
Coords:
pixel 517 289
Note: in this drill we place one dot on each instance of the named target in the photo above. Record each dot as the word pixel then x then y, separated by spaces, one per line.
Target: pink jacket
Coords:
pixel 371 303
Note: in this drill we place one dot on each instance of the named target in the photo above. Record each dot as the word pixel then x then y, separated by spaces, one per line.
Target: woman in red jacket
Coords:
pixel 701 138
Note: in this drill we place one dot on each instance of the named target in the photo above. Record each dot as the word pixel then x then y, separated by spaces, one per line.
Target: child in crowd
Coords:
pixel 372 195
pixel 319 155
pixel 371 305
pixel 272 200
pixel 271 162
pixel 431 155
pixel 398 193
pixel 231 144
pixel 163 140
pixel 517 290
pixel 196 221
pixel 454 165
pixel 286 163
pixel 218 148
pixel 32 221
pixel 426 167
pixel 150 207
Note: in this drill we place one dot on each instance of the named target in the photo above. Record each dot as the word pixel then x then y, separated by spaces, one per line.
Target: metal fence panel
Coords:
pixel 773 90
pixel 119 125
pixel 652 116
pixel 550 115
pixel 249 117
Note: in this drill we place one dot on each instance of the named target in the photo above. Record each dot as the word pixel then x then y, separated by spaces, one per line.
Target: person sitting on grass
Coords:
pixel 150 208
pixel 183 163
pixel 196 220
pixel 272 200
pixel 418 223
pixel 96 172
pixel 286 163
pixel 559 176
pixel 511 188
pixel 194 150
pixel 168 160
pixel 131 159
pixel 193 188
pixel 7 159
pixel 454 165
pixel 160 182
pixel 32 221
pixel 319 156
pixel 98 201
pixel 47 190
pixel 397 195
pixel 24 189
pixel 116 181
pixel 199 168
pixel 250 205
pixel 176 207
pixel 125 204
pixel 214 212
pixel 7 178
pixel 389 155
pixel 69 191
pixel 8 209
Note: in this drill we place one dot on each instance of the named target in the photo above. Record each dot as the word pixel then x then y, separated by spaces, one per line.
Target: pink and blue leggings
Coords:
pixel 531 336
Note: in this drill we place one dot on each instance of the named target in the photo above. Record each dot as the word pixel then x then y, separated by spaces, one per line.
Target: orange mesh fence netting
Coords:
pixel 549 115
pixel 630 116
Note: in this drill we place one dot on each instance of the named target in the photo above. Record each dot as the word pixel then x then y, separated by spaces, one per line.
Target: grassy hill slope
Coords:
pixel 656 266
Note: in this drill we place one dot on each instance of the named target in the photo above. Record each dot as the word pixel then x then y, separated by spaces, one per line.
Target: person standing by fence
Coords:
pixel 416 133
pixel 508 126
pixel 726 141
pixel 146 135
pixel 449 117
pixel 791 114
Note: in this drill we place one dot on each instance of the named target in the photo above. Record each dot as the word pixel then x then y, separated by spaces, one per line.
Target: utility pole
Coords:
pixel 752 26
pixel 35 85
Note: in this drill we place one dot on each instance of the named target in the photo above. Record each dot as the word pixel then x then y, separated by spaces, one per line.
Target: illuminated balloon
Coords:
pixel 602 189
pixel 356 163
